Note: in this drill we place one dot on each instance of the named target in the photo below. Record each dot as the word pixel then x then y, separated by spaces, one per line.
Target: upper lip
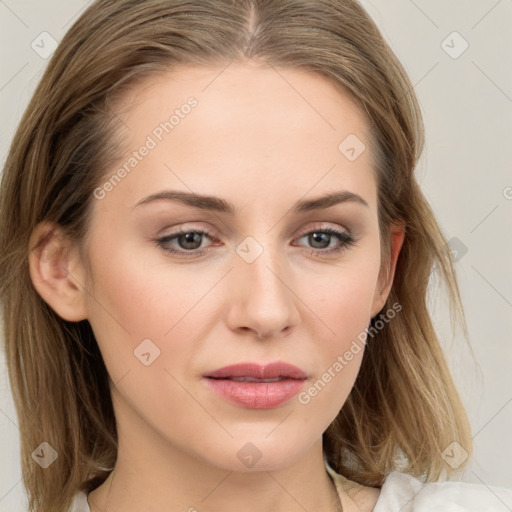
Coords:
pixel 259 371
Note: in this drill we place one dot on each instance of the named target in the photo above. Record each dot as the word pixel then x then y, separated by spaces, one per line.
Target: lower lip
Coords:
pixel 256 395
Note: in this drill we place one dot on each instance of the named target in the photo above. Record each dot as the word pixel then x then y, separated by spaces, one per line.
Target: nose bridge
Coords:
pixel 264 302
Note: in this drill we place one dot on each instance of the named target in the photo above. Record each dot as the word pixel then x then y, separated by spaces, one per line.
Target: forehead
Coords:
pixel 244 128
pixel 243 92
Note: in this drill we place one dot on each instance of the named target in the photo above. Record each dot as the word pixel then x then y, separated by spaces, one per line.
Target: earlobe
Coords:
pixel 386 277
pixel 56 272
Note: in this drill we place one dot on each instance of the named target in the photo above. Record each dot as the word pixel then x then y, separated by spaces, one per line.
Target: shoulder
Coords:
pixel 403 492
pixel 79 503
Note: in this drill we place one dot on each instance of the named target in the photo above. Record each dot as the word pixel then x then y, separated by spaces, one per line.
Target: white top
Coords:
pixel 401 492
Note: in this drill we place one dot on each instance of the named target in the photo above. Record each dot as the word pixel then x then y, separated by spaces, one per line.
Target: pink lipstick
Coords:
pixel 257 386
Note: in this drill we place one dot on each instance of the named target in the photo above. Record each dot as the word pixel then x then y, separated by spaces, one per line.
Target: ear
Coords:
pixel 387 272
pixel 57 272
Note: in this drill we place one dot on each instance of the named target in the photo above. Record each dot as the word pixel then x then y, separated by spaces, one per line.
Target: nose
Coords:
pixel 262 298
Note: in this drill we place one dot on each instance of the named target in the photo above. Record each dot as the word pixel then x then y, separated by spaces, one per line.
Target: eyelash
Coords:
pixel 346 240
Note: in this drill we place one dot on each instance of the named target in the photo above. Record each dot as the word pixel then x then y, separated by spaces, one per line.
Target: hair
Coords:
pixel 403 410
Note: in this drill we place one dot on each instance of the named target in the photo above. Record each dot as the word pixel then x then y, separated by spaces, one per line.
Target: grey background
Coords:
pixel 465 173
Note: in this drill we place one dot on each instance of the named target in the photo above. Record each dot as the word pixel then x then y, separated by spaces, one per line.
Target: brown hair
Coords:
pixel 403 410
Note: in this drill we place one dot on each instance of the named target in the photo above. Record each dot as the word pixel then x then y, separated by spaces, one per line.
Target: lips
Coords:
pixel 256 386
pixel 253 372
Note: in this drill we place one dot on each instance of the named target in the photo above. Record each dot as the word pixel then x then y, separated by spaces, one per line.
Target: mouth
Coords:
pixel 256 386
pixel 270 371
pixel 250 379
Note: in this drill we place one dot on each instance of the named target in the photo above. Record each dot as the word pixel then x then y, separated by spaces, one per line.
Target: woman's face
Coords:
pixel 239 158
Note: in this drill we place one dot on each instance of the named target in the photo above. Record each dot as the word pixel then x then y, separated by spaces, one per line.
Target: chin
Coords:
pixel 256 452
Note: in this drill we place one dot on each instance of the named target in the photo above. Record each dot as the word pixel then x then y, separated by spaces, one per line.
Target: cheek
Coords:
pixel 140 318
pixel 134 301
pixel 342 301
pixel 342 297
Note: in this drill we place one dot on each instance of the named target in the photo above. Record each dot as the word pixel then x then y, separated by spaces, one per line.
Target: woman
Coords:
pixel 215 269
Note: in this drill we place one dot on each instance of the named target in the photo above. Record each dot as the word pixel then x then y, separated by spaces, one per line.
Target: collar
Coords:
pixel 346 488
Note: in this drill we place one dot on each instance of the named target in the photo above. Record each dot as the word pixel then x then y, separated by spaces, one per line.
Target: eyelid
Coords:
pixel 186 227
pixel 320 226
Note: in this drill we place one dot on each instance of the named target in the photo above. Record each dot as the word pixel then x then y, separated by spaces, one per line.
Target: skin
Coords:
pixel 262 140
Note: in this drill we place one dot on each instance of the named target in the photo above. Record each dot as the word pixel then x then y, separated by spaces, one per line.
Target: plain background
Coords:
pixel 465 172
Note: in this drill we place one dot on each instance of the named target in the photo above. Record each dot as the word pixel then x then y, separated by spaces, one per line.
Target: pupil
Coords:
pixel 317 237
pixel 190 238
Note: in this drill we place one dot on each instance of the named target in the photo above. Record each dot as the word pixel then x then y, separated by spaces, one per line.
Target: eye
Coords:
pixel 189 242
pixel 320 240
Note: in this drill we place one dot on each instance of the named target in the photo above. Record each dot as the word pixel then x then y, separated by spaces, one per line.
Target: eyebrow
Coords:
pixel 216 204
